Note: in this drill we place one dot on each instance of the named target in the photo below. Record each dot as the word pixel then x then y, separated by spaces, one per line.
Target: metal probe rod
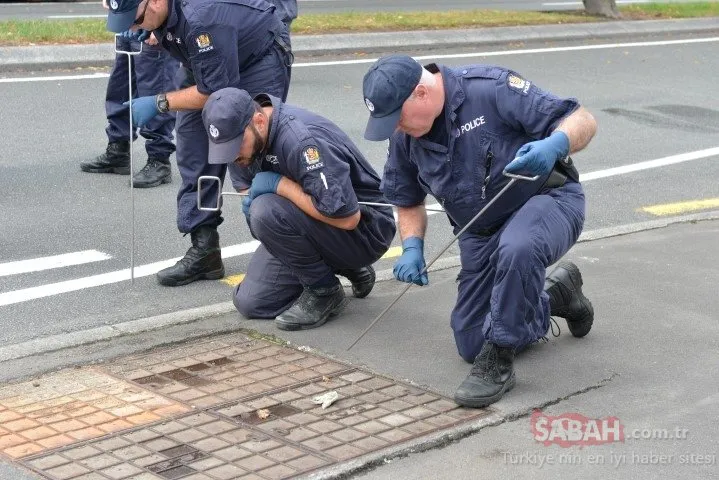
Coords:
pixel 514 178
pixel 130 54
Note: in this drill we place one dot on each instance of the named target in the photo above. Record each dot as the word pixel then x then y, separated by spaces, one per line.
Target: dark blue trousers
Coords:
pixel 501 296
pixel 153 72
pixel 271 75
pixel 298 250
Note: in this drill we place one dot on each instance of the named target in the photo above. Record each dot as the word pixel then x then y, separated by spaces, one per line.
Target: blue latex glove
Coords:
pixel 408 266
pixel 144 109
pixel 264 182
pixel 246 202
pixel 539 157
pixel 138 36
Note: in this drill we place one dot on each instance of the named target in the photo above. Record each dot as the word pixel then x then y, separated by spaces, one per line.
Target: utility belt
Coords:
pixel 563 170
pixel 285 48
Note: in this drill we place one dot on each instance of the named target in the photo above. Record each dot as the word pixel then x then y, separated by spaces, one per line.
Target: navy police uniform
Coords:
pixel 154 72
pixel 221 43
pixel 296 249
pixel 489 113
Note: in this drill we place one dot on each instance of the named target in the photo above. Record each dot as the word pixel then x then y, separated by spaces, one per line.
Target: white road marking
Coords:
pixel 424 57
pixel 55 261
pixel 42 291
pixel 32 293
pixel 566 4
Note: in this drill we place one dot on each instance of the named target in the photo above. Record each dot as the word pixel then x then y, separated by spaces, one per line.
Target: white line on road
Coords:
pixel 55 261
pixel 424 57
pixel 32 293
pixel 42 291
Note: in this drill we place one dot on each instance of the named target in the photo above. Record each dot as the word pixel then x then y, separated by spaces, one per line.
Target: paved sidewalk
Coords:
pixel 65 56
pixel 233 406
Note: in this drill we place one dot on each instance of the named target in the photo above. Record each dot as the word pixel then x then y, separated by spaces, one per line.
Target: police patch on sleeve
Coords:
pixel 311 156
pixel 518 83
pixel 204 42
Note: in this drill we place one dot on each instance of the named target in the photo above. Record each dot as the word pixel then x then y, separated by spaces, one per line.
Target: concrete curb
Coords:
pixel 44 345
pixel 65 56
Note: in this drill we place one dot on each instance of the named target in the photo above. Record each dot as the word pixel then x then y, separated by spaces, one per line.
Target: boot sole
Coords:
pixel 289 326
pixel 153 184
pixel 576 324
pixel 117 170
pixel 484 401
pixel 169 282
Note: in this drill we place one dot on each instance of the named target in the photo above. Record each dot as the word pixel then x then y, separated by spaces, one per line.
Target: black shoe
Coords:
pixel 314 307
pixel 491 377
pixel 116 159
pixel 566 300
pixel 203 261
pixel 362 280
pixel 156 172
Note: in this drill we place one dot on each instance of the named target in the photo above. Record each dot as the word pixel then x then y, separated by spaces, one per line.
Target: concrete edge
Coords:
pixel 378 458
pixel 44 345
pixel 102 55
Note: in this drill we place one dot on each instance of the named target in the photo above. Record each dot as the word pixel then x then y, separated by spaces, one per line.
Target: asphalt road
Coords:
pixel 651 102
pixel 94 9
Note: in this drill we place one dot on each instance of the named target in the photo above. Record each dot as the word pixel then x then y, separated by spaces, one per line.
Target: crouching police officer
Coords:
pixel 305 178
pixel 452 133
pixel 239 43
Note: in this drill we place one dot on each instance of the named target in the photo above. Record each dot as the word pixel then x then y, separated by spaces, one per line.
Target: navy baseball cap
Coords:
pixel 387 84
pixel 226 115
pixel 122 14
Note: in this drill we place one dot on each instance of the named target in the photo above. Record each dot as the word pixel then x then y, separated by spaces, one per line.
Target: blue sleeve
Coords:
pixel 214 57
pixel 526 107
pixel 319 168
pixel 399 182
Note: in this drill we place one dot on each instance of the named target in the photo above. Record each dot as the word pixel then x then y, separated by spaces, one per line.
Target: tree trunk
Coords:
pixel 604 8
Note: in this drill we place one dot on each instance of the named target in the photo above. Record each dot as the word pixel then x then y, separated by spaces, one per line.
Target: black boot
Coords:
pixel 314 307
pixel 202 261
pixel 566 300
pixel 362 280
pixel 491 377
pixel 116 159
pixel 155 173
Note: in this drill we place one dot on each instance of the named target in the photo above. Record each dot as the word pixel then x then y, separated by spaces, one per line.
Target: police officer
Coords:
pixel 453 132
pixel 305 178
pixel 239 43
pixel 153 72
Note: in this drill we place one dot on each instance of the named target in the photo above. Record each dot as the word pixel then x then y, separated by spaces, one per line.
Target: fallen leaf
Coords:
pixel 264 413
pixel 326 378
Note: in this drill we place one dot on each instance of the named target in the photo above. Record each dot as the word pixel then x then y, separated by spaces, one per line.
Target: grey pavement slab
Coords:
pixel 61 56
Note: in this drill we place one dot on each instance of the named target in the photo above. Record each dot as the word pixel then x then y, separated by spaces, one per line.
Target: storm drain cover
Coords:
pixel 256 416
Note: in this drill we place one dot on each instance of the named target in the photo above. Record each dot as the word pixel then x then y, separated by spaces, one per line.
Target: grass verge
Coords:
pixel 44 32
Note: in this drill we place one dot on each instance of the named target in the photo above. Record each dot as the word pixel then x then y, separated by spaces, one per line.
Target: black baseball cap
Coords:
pixel 386 86
pixel 121 14
pixel 226 115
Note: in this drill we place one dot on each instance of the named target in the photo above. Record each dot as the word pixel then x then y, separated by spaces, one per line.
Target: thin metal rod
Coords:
pixel 210 178
pixel 426 268
pixel 130 54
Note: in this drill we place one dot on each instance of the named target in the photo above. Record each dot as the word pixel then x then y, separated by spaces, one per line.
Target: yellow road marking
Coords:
pixel 393 252
pixel 234 280
pixel 681 207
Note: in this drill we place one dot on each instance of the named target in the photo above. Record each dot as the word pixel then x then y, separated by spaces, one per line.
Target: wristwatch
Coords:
pixel 163 106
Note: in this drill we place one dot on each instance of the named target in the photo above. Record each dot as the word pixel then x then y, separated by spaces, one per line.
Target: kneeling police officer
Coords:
pixel 304 179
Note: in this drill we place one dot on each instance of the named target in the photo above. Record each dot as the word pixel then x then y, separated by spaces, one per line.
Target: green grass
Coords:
pixel 38 32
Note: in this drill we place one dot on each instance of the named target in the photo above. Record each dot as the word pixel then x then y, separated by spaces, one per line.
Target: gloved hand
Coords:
pixel 408 266
pixel 264 182
pixel 138 35
pixel 539 157
pixel 144 109
pixel 246 202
